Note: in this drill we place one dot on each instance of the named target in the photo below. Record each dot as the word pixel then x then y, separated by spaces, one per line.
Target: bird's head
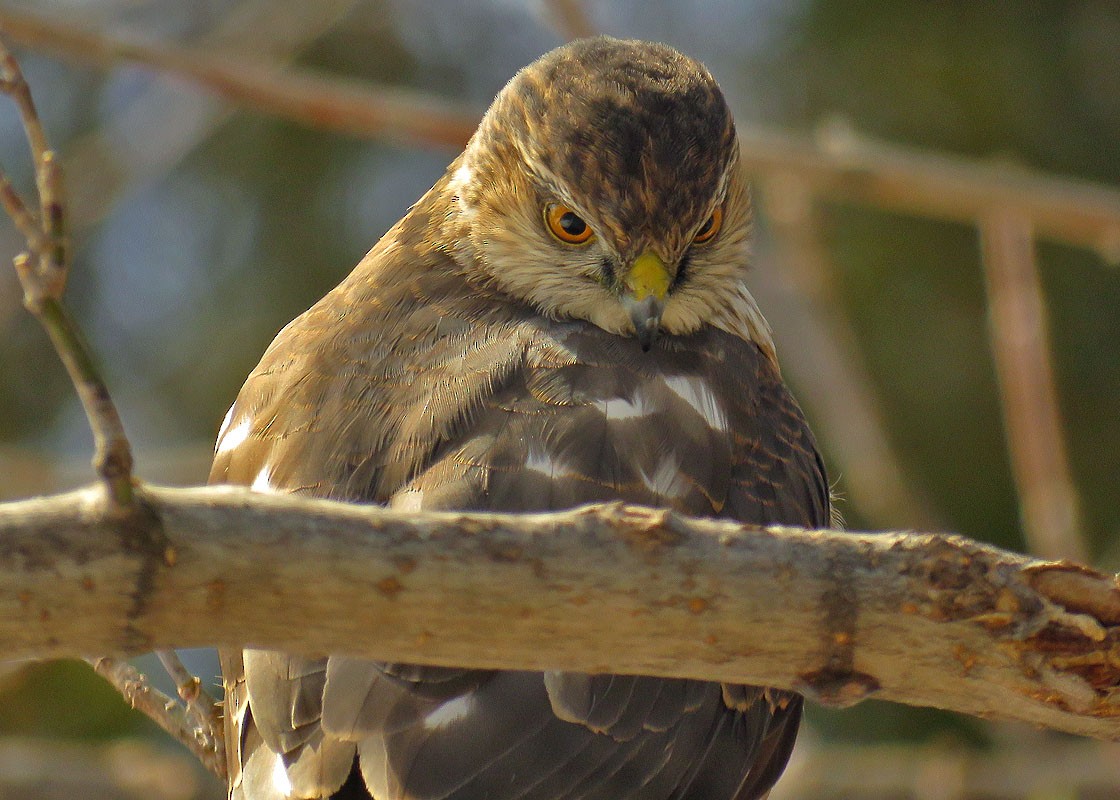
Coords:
pixel 604 184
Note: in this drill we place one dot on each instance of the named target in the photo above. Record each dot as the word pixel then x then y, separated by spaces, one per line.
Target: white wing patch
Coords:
pixel 260 483
pixel 409 500
pixel 623 408
pixel 667 480
pixel 697 393
pixel 229 439
pixel 450 712
pixel 543 462
pixel 280 780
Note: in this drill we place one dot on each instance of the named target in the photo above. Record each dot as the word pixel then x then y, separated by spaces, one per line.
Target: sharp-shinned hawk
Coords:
pixel 561 320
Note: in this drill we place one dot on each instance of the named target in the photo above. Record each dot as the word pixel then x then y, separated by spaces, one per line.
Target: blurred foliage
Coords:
pixel 39 701
pixel 184 278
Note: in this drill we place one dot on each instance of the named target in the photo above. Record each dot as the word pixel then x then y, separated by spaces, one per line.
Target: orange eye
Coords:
pixel 566 225
pixel 710 228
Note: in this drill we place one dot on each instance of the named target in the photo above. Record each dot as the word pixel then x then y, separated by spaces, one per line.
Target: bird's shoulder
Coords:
pixel 404 340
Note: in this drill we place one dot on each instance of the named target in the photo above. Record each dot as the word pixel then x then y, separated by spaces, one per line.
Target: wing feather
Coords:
pixel 460 402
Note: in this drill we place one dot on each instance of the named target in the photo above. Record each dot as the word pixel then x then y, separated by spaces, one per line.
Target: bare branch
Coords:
pixel 320 102
pixel 848 168
pixel 838 165
pixel 162 709
pixel 200 705
pixel 1020 344
pixel 42 274
pixel 920 619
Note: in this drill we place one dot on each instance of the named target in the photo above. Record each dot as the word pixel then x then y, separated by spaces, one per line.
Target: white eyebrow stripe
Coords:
pixel 697 393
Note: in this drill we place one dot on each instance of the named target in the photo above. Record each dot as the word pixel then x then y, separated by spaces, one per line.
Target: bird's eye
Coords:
pixel 566 225
pixel 710 228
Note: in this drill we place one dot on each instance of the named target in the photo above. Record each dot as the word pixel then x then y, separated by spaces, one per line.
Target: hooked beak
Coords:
pixel 647 284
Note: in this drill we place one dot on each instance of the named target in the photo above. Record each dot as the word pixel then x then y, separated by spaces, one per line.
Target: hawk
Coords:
pixel 562 319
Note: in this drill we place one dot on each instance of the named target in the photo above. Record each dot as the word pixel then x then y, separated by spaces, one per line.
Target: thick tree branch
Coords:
pixel 920 618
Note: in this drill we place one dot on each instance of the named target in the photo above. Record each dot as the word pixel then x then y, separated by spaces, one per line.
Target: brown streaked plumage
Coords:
pixel 481 358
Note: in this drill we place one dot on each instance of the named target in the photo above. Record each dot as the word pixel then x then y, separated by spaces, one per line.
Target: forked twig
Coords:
pixel 201 706
pixel 172 717
pixel 42 271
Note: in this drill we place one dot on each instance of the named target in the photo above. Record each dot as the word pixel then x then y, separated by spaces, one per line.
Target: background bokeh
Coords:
pixel 200 229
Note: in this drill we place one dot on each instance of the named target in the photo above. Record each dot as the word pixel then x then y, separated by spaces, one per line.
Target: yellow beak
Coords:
pixel 648 277
pixel 647 284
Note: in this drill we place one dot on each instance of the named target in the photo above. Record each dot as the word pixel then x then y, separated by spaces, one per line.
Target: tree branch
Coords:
pixel 318 101
pixel 42 273
pixel 43 270
pixel 838 165
pixel 197 735
pixel 915 618
pixel 1031 415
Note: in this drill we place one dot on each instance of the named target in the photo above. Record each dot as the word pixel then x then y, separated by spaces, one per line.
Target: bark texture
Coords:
pixel 924 619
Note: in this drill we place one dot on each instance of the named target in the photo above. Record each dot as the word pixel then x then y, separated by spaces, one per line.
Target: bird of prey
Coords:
pixel 562 319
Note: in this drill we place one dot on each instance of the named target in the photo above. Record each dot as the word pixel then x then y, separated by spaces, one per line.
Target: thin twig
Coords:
pixel 24 219
pixel 42 273
pixel 1020 344
pixel 163 710
pixel 13 85
pixel 200 704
